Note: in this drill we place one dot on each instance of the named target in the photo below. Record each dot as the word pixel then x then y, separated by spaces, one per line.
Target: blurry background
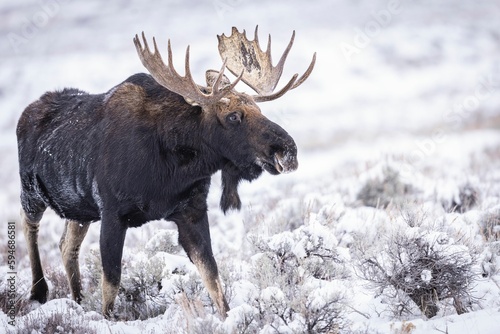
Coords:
pixel 393 78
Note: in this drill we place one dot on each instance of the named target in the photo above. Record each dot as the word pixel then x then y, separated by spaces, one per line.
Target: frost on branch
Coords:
pixel 421 266
pixel 299 274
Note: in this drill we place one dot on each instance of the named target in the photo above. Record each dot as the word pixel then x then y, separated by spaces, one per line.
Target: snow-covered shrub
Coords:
pixel 381 190
pixel 163 241
pixel 59 316
pixel 322 308
pixel 461 199
pixel 242 319
pixel 139 295
pixel 91 273
pixel 421 265
pixel 187 290
pixel 490 225
pixel 142 293
pixel 403 328
pixel 280 215
pixel 23 288
pixel 490 260
pixel 298 274
pixel 58 283
pixel 309 251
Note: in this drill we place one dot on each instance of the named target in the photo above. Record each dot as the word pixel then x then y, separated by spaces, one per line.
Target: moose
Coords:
pixel 146 150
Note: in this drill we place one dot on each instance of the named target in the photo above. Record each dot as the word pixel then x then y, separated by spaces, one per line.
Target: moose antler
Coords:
pixel 243 55
pixel 168 77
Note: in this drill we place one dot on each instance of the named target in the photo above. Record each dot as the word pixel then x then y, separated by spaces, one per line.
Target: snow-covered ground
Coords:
pixel 402 109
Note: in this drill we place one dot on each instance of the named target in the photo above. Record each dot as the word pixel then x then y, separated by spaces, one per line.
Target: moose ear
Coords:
pixel 211 76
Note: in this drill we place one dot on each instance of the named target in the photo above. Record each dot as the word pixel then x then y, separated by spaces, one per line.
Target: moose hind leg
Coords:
pixel 31 224
pixel 195 239
pixel 70 243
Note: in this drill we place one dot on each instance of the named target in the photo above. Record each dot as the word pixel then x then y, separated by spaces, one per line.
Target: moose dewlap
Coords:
pixel 146 150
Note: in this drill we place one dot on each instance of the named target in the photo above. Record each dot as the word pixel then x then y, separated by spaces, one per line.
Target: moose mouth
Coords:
pixel 278 164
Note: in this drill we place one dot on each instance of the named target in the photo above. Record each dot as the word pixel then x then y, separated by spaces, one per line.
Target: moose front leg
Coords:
pixel 111 245
pixel 72 238
pixel 195 239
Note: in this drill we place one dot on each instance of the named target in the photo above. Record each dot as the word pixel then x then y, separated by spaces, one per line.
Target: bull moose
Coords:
pixel 146 150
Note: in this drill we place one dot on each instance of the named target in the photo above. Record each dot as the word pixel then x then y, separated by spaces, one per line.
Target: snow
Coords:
pixel 409 86
pixel 426 276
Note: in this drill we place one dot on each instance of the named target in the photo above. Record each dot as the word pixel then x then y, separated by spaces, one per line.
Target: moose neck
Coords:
pixel 183 136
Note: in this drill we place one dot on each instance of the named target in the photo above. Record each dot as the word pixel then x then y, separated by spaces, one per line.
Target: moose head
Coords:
pixel 244 136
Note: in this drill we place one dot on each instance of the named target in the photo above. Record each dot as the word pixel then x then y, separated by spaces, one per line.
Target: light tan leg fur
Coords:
pixel 39 288
pixel 70 243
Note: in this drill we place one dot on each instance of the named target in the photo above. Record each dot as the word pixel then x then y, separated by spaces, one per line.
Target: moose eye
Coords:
pixel 234 117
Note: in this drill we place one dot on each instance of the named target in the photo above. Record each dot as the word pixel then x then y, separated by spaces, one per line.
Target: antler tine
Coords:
pixel 146 46
pixel 282 60
pixel 215 86
pixel 256 35
pixel 280 93
pixel 225 90
pixel 170 57
pixel 187 69
pixel 292 84
pixel 306 73
pixel 268 47
pixel 167 76
pixel 256 40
